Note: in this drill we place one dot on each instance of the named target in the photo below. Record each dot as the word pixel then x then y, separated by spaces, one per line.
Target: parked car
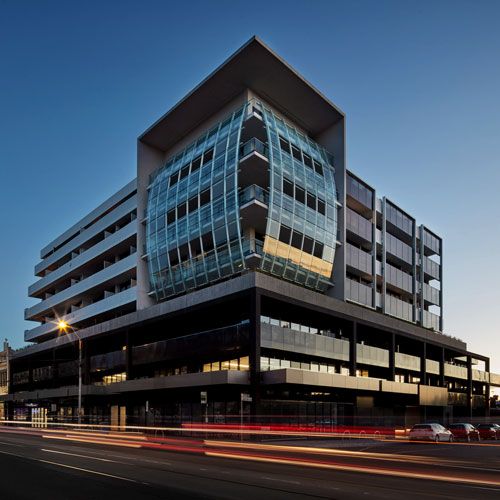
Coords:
pixel 489 431
pixel 430 432
pixel 467 432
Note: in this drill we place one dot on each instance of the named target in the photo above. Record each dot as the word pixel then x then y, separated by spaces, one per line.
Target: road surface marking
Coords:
pixel 72 467
pixel 89 471
pixel 81 456
pixel 12 444
pixel 280 480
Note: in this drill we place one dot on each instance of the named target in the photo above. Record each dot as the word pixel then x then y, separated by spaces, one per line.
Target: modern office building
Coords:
pixel 4 375
pixel 247 260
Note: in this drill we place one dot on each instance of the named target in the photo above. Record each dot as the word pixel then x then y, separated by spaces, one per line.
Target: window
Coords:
pixel 311 201
pixel 285 233
pixel 184 172
pixel 318 250
pixel 174 178
pixel 204 197
pixel 193 203
pixel 181 210
pixel 321 206
pixel 173 257
pixel 196 164
pixel 208 155
pixel 284 145
pixel 288 187
pixel 297 240
pixel 318 168
pixel 171 216
pixel 307 160
pixel 300 194
pixel 296 153
pixel 308 245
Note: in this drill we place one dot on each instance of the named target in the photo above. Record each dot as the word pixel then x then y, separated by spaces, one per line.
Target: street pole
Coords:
pixel 79 381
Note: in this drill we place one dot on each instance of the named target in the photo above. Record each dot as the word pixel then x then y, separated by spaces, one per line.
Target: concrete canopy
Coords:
pixel 254 66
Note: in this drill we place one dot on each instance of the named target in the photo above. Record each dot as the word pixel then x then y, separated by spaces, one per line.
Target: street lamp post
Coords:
pixel 63 327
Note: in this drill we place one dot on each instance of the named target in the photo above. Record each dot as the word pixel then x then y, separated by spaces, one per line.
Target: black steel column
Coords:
pixel 392 357
pixel 254 351
pixel 128 355
pixel 469 385
pixel 487 388
pixel 441 369
pixel 352 350
pixel 423 367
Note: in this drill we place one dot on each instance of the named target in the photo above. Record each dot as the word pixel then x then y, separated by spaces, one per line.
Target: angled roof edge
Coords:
pixel 256 67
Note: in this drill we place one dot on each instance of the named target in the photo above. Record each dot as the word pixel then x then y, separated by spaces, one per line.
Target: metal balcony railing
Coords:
pixel 253 145
pixel 253 192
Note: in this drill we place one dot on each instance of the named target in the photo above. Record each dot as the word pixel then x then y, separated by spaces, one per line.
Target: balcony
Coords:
pixel 359 260
pixel 287 339
pixel 407 362
pixel 253 201
pixel 455 371
pixel 431 320
pixel 431 295
pixel 399 308
pixel 398 279
pixel 108 276
pixel 116 240
pixel 359 227
pixel 115 301
pixel 431 268
pixel 106 221
pixel 480 376
pixel 398 250
pixel 358 292
pixel 369 355
pixel 254 164
pixel 253 249
pixel 432 366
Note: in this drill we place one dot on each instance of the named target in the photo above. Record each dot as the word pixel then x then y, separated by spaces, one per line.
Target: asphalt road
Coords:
pixel 34 467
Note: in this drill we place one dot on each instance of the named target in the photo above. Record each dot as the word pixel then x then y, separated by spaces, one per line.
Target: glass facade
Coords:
pixel 193 233
pixel 194 224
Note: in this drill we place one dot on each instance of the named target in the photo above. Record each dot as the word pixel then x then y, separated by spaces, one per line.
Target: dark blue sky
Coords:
pixel 419 82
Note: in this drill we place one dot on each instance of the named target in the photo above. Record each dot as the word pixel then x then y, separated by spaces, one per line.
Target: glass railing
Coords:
pixel 370 355
pixel 480 376
pixel 252 246
pixel 398 278
pixel 253 192
pixel 406 361
pixel 254 107
pixel 431 268
pixel 399 308
pixel 358 292
pixel 358 225
pixel 432 366
pixel 358 259
pixel 253 145
pixel 455 371
pixel 398 249
pixel 290 340
pixel 431 294
pixel 431 320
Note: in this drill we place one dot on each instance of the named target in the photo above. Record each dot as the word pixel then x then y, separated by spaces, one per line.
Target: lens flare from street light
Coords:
pixel 62 325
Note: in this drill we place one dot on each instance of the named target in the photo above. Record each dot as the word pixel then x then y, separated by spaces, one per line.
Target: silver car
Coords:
pixel 430 432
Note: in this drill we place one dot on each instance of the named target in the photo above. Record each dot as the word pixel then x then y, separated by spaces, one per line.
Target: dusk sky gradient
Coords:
pixel 419 83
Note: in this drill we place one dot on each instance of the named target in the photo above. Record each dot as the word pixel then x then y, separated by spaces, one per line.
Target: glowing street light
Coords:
pixel 63 327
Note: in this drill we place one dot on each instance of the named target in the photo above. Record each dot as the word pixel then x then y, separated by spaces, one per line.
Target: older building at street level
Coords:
pixel 246 263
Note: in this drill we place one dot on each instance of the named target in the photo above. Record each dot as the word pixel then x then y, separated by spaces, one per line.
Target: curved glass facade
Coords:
pixel 227 203
pixel 302 222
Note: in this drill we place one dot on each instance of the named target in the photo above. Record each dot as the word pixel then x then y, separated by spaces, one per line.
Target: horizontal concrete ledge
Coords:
pixel 230 377
pixel 267 285
pixel 304 377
